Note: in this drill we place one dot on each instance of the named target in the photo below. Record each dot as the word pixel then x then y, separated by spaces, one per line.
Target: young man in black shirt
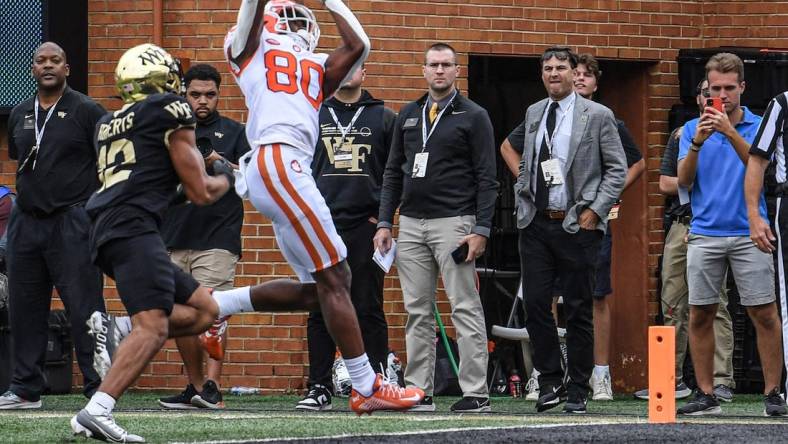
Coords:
pixel 350 156
pixel 51 137
pixel 587 76
pixel 205 241
pixel 144 150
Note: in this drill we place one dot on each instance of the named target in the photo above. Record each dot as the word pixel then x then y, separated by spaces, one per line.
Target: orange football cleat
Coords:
pixel 385 396
pixel 212 340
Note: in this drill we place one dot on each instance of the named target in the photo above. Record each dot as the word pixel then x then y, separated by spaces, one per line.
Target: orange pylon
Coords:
pixel 661 375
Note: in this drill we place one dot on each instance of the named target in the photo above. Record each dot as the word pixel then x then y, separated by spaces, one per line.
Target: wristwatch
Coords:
pixel 695 146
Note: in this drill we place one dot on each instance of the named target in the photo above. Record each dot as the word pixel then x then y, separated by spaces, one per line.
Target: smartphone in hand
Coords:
pixel 716 103
pixel 460 253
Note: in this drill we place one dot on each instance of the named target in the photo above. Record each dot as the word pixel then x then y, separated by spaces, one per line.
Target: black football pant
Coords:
pixel 366 293
pixel 42 253
pixel 777 207
pixel 547 252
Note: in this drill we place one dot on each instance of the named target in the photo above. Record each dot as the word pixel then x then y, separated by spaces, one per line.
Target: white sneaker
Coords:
pixel 10 401
pixel 101 427
pixel 602 388
pixel 532 387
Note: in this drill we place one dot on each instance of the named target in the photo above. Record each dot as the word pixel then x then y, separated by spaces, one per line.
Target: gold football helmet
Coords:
pixel 146 69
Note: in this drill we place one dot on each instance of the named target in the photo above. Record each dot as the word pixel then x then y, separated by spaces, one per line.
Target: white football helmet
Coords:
pixel 293 19
pixel 146 69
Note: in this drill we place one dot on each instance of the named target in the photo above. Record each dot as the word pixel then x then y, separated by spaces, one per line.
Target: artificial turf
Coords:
pixel 266 417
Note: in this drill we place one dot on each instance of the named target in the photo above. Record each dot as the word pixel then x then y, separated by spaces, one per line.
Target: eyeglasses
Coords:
pixel 441 65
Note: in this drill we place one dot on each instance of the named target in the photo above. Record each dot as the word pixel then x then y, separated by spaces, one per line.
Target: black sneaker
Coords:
pixel 182 400
pixel 774 404
pixel 318 398
pixel 682 391
pixel 209 398
pixel 550 396
pixel 701 404
pixel 426 405
pixel 576 403
pixel 723 393
pixel 471 404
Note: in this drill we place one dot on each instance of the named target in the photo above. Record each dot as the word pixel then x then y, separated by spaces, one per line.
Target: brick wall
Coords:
pixel 268 350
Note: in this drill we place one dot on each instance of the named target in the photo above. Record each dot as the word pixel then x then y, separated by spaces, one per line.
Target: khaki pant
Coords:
pixel 211 268
pixel 675 306
pixel 424 248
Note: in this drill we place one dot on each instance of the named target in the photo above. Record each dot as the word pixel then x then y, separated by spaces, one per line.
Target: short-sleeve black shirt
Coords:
pixel 136 173
pixel 216 226
pixel 669 167
pixel 65 165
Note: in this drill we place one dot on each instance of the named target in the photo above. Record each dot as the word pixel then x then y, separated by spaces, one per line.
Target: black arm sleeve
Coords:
pixel 13 151
pixel 389 120
pixel 391 192
pixel 483 148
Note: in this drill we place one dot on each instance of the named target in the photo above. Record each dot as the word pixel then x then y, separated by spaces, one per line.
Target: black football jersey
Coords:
pixel 134 166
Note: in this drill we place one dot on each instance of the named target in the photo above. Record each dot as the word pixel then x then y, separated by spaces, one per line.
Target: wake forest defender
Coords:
pixel 144 150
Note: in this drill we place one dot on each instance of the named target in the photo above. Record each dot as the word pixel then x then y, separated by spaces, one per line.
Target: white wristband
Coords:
pixel 339 8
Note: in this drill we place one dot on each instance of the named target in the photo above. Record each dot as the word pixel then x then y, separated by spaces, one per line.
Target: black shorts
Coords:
pixel 145 276
pixel 603 286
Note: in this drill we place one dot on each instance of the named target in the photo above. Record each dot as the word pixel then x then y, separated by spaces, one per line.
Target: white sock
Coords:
pixel 361 374
pixel 124 325
pixel 601 370
pixel 100 403
pixel 237 300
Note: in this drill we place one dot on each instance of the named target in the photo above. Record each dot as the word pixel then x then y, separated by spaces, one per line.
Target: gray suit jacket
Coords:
pixel 596 166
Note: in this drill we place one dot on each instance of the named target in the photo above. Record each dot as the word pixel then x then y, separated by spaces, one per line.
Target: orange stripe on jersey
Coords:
pixel 313 254
pixel 243 65
pixel 310 215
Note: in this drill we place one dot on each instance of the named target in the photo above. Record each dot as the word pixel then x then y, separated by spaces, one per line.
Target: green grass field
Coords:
pixel 272 417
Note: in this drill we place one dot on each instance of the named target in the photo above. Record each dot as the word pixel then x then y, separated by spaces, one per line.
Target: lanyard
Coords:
pixel 343 130
pixel 40 134
pixel 33 154
pixel 549 139
pixel 424 135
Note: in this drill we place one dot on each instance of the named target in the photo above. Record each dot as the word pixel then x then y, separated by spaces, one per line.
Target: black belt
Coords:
pixel 552 214
pixel 682 219
pixel 37 213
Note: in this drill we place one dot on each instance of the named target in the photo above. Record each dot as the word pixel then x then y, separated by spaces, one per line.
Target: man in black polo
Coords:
pixel 205 241
pixel 51 137
pixel 441 169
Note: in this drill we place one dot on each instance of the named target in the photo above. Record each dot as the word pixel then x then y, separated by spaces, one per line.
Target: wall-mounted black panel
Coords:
pixel 25 24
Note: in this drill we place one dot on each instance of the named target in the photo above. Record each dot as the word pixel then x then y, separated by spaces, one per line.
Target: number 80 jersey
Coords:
pixel 283 87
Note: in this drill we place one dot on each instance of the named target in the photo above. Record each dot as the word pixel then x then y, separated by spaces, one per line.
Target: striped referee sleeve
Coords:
pixel 770 132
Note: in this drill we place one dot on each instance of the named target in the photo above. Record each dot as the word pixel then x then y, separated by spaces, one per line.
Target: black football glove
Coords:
pixel 222 166
pixel 179 197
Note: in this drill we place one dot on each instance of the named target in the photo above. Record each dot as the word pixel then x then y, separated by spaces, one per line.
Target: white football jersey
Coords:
pixel 283 87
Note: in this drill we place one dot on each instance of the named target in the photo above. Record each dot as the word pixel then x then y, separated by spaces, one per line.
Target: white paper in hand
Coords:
pixel 384 261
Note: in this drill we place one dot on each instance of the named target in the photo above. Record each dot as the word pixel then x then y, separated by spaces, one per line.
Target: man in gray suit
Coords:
pixel 572 171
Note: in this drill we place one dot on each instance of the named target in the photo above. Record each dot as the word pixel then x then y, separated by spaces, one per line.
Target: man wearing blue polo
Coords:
pixel 713 155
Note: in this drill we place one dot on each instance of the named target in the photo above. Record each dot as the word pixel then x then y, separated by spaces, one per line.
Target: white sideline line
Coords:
pixel 398 434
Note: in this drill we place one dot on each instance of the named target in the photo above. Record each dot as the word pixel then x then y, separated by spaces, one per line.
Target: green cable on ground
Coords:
pixel 445 340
